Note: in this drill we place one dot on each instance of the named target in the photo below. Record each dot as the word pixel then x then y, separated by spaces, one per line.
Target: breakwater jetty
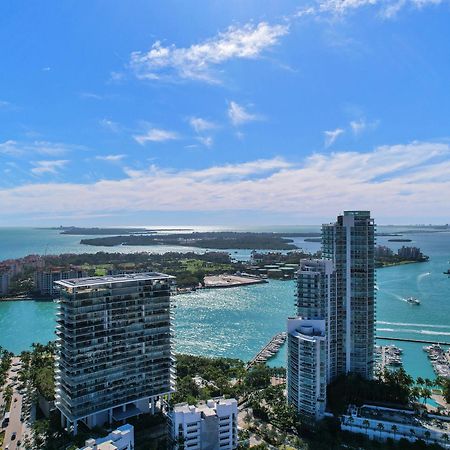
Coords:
pixel 420 341
pixel 269 350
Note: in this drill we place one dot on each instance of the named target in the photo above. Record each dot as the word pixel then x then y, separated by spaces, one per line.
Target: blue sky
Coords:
pixel 232 112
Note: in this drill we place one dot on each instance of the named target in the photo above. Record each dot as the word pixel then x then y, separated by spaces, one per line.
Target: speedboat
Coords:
pixel 413 300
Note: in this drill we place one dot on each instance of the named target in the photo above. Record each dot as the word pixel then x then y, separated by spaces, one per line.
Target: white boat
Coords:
pixel 413 300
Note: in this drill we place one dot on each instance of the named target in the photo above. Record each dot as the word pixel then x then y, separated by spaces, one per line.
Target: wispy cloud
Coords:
pixel 109 125
pixel 332 135
pixel 239 115
pixel 110 158
pixel 385 8
pixel 91 96
pixel 199 124
pixel 207 141
pixel 376 180
pixel 197 61
pixel 156 135
pixel 361 125
pixel 17 149
pixel 43 167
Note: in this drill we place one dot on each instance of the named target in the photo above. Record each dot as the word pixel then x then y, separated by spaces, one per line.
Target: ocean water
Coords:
pixel 237 322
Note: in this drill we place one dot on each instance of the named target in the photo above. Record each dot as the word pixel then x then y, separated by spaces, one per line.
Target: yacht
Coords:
pixel 413 300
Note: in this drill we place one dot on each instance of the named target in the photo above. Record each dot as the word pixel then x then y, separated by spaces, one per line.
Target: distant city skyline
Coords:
pixel 246 113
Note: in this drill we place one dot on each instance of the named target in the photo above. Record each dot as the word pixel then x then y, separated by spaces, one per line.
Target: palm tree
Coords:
pixel 426 394
pixel 445 438
pixel 380 427
pixel 429 383
pixel 366 424
pixel 394 429
pixel 350 421
pixel 420 381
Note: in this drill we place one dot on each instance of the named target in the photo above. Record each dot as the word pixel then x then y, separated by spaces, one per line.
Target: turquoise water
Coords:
pixel 237 322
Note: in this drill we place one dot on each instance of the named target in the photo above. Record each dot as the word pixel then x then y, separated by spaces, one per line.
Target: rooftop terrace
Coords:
pixel 122 278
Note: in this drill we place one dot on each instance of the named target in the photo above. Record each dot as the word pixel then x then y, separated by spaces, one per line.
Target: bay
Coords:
pixel 236 322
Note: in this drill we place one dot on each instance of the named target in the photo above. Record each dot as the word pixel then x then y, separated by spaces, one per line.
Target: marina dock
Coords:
pixel 269 350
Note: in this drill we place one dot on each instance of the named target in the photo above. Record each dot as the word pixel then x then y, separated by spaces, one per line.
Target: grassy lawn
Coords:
pixel 195 265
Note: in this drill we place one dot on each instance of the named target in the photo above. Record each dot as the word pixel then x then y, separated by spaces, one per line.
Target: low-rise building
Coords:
pixel 381 423
pixel 210 425
pixel 120 439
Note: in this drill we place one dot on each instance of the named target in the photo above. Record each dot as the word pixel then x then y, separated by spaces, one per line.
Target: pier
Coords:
pixel 419 341
pixel 269 350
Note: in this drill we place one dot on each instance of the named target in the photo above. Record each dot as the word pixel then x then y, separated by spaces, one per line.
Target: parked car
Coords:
pixel 13 436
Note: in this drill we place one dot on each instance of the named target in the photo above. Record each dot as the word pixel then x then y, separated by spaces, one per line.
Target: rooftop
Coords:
pixel 122 278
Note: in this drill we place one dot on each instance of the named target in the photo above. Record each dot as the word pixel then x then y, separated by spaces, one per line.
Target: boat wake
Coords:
pixel 410 330
pixel 422 275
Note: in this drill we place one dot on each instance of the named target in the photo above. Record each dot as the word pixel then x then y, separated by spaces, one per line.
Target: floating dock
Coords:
pixel 269 350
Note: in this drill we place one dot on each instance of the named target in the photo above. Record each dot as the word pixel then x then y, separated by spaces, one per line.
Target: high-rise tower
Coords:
pixel 115 347
pixel 350 244
pixel 334 331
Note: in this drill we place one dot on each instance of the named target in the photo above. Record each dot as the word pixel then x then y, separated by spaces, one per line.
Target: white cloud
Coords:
pixel 239 115
pixel 397 180
pixel 42 167
pixel 207 141
pixel 196 62
pixel 386 8
pixel 110 158
pixel 110 125
pixel 361 125
pixel 156 135
pixel 17 149
pixel 332 135
pixel 199 124
pixel 4 104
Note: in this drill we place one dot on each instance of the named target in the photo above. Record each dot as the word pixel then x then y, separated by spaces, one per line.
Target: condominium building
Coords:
pixel 210 425
pixel 5 279
pixel 307 366
pixel 334 331
pixel 120 439
pixel 44 281
pixel 350 244
pixel 316 299
pixel 115 355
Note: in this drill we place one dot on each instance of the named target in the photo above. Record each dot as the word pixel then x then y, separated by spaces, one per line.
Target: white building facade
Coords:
pixel 334 331
pixel 381 423
pixel 307 368
pixel 115 342
pixel 210 425
pixel 120 439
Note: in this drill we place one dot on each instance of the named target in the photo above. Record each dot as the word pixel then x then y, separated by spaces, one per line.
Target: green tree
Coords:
pixel 366 424
pixel 394 430
pixel 380 428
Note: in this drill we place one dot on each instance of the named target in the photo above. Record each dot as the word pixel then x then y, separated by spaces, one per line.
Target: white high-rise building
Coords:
pixel 307 366
pixel 210 425
pixel 350 244
pixel 334 331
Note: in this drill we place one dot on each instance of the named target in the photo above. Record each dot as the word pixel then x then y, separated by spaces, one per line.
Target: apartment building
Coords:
pixel 44 281
pixel 210 425
pixel 350 244
pixel 120 439
pixel 115 342
pixel 334 331
pixel 307 366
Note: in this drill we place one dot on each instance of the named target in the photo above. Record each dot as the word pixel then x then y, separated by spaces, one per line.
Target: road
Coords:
pixel 15 424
